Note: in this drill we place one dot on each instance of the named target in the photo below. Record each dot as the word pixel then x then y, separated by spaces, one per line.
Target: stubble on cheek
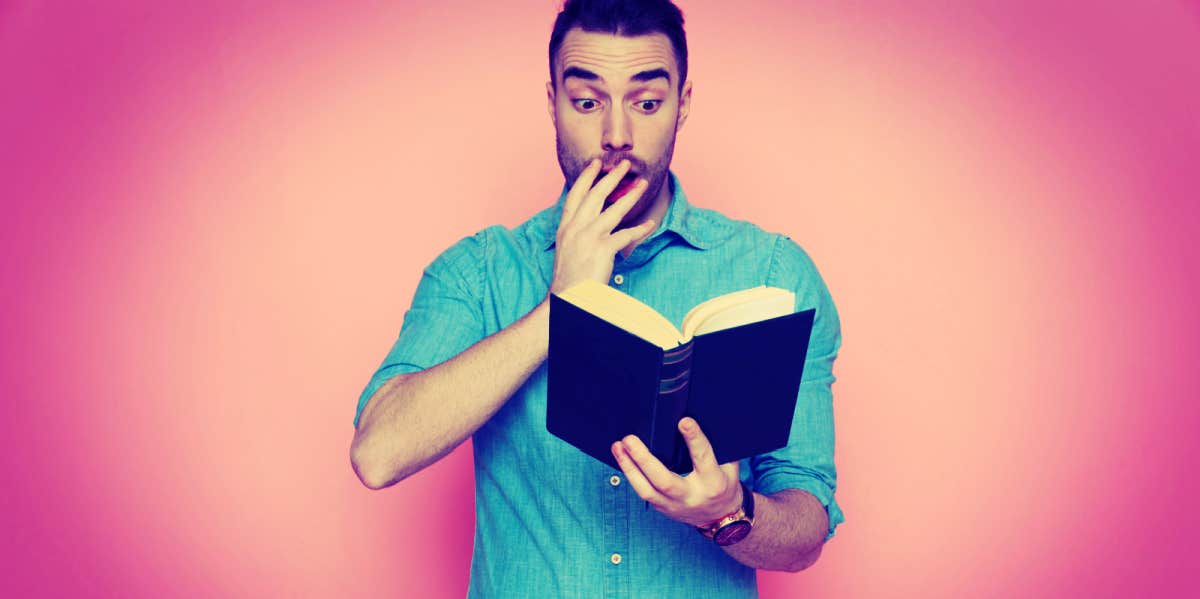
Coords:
pixel 570 164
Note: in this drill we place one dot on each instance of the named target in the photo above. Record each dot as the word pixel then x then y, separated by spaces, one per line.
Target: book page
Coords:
pixel 625 312
pixel 738 308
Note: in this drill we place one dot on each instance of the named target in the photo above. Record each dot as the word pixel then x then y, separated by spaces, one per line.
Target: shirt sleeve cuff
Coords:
pixel 816 488
pixel 382 376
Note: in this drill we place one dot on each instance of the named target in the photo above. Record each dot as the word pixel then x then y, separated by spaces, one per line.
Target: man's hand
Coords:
pixel 709 493
pixel 586 243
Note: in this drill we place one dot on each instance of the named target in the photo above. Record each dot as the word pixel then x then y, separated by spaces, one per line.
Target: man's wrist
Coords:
pixel 738 500
pixel 734 525
pixel 733 505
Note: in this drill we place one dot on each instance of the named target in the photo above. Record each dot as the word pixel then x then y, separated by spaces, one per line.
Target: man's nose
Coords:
pixel 618 131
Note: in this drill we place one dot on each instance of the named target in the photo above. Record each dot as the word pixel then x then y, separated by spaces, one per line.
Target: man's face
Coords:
pixel 614 98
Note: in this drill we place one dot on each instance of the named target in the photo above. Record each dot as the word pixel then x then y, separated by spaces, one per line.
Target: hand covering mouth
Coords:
pixel 622 188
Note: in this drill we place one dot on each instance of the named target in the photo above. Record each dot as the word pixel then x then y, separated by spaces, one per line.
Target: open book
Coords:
pixel 618 367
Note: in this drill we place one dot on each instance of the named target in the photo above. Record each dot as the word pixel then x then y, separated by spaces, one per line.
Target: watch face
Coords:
pixel 732 533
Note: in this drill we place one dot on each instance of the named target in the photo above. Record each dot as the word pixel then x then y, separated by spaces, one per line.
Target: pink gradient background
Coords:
pixel 215 217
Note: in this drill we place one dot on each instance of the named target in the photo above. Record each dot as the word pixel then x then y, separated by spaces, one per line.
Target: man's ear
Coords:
pixel 550 102
pixel 685 105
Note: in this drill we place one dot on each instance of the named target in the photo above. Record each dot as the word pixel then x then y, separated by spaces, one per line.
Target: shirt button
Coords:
pixel 615 559
pixel 615 480
pixel 618 279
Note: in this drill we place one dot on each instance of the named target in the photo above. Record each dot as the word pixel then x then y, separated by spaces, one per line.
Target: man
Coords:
pixel 469 361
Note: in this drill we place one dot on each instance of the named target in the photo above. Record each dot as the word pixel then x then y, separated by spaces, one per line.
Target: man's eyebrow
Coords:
pixel 581 73
pixel 651 75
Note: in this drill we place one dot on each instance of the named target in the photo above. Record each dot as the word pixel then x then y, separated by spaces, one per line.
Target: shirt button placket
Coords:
pixel 618 279
pixel 616 525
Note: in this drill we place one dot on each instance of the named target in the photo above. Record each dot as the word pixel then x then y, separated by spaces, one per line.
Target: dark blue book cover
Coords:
pixel 739 383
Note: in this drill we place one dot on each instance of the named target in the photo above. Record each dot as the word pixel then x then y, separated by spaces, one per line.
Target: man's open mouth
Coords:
pixel 622 188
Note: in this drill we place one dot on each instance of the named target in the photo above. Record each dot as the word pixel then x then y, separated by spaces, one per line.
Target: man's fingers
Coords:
pixel 612 215
pixel 703 459
pixel 668 483
pixel 594 199
pixel 636 479
pixel 625 237
pixel 579 190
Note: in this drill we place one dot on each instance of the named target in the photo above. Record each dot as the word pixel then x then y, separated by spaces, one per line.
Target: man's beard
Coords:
pixel 655 173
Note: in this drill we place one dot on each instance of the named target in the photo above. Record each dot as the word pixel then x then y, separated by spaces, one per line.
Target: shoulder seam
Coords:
pixel 774 257
pixel 481 272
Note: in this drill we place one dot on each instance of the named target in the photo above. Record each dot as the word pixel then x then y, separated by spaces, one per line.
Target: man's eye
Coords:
pixel 586 104
pixel 649 105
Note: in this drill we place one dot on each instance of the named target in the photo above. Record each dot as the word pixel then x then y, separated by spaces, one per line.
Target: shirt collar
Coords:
pixel 679 219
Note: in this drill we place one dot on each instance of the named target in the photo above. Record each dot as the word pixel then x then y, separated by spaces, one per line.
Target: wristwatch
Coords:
pixel 734 526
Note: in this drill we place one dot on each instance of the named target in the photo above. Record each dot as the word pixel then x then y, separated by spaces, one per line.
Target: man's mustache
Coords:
pixel 610 162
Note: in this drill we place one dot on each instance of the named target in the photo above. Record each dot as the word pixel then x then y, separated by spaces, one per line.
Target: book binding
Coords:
pixel 674 387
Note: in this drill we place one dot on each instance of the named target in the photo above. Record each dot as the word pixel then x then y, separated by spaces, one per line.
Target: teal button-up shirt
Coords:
pixel 550 520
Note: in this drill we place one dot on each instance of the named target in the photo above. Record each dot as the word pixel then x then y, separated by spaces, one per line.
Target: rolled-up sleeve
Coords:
pixel 807 461
pixel 444 319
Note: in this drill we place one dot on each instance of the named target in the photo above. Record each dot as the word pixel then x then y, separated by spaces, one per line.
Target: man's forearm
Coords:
pixel 789 531
pixel 413 420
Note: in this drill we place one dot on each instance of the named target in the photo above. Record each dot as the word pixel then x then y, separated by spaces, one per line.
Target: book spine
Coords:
pixel 674 385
